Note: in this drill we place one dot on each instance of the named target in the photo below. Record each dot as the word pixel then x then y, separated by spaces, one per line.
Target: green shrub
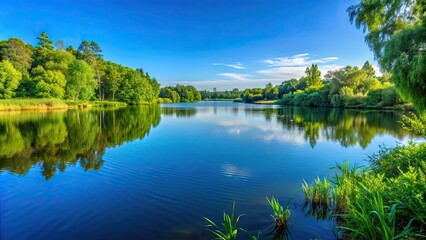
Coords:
pixel 337 101
pixel 391 161
pixel 288 99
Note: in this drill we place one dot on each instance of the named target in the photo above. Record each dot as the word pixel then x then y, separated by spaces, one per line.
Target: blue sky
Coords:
pixel 207 43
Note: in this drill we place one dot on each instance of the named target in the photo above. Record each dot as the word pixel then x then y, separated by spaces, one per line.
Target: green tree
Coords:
pixel 396 32
pixel 9 79
pixel 48 83
pixel 44 41
pixel 18 53
pixel 112 79
pixel 80 81
pixel 368 68
pixel 270 92
pixel 313 77
pixel 91 53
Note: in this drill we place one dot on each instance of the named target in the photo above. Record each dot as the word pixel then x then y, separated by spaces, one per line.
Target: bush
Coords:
pixel 288 99
pixel 353 101
pixel 337 101
pixel 164 100
pixel 299 98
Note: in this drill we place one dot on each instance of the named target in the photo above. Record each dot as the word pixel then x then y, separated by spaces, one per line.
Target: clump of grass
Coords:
pixel 280 215
pixel 229 230
pixel 345 182
pixel 318 192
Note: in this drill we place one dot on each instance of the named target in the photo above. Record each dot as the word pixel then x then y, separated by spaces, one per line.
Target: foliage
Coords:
pixel 414 123
pixel 252 95
pixel 9 79
pixel 80 84
pixel 396 33
pixel 384 201
pixel 374 220
pixel 181 93
pixel 49 72
pixel 313 76
pixel 221 95
pixel 350 87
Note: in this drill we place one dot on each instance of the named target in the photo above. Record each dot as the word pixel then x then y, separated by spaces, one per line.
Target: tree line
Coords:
pixel 180 93
pixel 49 70
pixel 350 86
pixel 234 94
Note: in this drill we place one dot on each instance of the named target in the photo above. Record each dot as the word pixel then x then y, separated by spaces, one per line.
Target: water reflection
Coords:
pixel 57 140
pixel 348 127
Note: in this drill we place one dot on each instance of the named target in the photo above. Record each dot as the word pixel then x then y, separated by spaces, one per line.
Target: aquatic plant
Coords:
pixel 280 215
pixel 344 185
pixel 229 230
pixel 318 192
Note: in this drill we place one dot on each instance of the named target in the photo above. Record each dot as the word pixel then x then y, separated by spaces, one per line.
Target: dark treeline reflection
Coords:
pixel 346 126
pixel 179 112
pixel 57 140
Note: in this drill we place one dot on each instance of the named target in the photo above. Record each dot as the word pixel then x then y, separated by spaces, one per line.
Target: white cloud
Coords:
pixel 297 60
pixel 294 66
pixel 237 65
pixel 235 76
pixel 286 73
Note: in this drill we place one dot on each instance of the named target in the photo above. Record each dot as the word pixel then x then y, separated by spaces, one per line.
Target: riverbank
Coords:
pixel 403 107
pixel 49 104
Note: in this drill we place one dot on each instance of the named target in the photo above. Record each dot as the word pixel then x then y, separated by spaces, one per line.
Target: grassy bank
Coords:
pixel 48 104
pixel 31 104
pixel 384 201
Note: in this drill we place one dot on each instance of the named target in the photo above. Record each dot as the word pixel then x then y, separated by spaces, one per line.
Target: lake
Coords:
pixel 154 172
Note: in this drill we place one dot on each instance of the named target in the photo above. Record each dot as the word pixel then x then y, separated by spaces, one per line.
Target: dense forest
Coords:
pixel 51 70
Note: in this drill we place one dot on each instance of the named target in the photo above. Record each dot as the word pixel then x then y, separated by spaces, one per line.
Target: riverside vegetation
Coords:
pixel 386 200
pixel 59 77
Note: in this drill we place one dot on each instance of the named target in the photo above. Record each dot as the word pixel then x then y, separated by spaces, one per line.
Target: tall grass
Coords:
pixel 280 215
pixel 46 104
pixel 39 104
pixel 345 182
pixel 318 192
pixel 373 220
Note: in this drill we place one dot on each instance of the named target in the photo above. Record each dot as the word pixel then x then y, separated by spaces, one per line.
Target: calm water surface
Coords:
pixel 154 172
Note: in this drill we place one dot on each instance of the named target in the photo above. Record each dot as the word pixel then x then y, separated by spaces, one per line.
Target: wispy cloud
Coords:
pixel 297 60
pixel 235 76
pixel 294 66
pixel 237 65
pixel 295 71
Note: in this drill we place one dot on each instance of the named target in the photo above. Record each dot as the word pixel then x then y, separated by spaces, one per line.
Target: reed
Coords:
pixel 373 220
pixel 40 104
pixel 280 215
pixel 319 192
pixel 229 230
